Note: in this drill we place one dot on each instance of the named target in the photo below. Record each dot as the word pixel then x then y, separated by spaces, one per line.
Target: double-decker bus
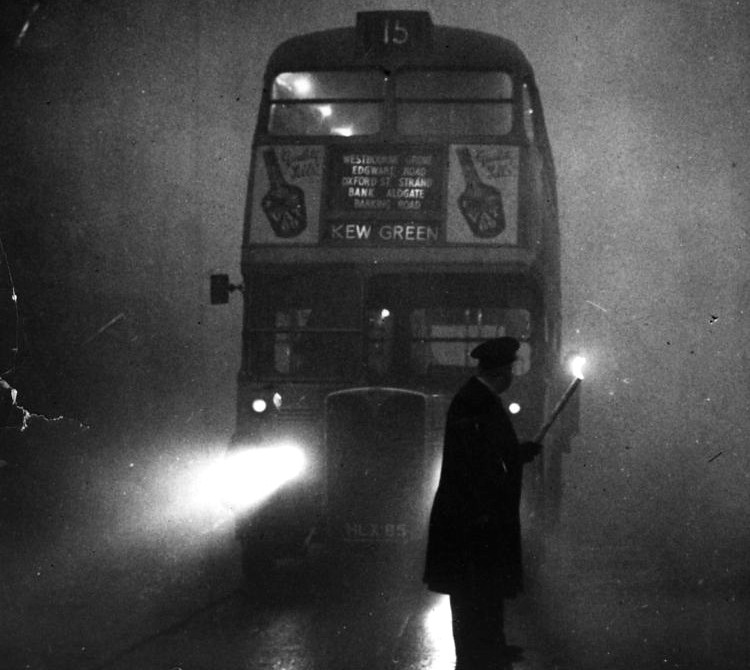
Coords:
pixel 401 209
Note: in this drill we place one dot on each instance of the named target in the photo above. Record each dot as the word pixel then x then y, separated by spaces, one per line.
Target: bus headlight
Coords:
pixel 246 477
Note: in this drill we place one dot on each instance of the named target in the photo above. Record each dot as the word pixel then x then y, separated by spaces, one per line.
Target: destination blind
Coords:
pixel 396 194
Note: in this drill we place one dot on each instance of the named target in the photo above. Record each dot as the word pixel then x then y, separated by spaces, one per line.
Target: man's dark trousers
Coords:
pixel 477 628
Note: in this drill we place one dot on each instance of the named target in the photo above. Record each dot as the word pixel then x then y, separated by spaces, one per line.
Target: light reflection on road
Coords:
pixel 297 624
pixel 438 635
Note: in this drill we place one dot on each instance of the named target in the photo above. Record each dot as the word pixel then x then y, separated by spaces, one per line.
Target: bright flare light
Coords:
pixel 259 405
pixel 246 477
pixel 576 365
pixel 514 408
pixel 439 634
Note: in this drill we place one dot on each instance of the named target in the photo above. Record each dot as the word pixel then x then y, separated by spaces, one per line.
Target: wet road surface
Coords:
pixel 372 614
pixel 120 577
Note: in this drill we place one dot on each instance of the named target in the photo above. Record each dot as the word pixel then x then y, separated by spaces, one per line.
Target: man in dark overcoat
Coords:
pixel 474 545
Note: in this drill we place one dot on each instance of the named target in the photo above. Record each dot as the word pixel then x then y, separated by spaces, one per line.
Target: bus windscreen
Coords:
pixel 435 321
pixel 305 325
pixel 311 325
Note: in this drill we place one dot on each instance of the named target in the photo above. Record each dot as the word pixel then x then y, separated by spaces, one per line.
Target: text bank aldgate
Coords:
pixel 401 208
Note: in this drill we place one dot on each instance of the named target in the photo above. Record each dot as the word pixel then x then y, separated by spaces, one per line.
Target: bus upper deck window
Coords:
pixel 454 85
pixel 456 102
pixel 327 103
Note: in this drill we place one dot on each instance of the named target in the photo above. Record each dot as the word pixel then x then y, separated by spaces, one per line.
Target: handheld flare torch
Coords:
pixel 576 366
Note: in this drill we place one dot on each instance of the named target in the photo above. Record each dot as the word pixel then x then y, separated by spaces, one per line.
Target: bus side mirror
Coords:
pixel 221 288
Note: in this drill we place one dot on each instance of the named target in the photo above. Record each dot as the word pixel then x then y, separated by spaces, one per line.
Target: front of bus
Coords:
pixel 400 211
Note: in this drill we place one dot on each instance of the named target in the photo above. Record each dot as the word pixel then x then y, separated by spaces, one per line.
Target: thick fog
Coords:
pixel 126 134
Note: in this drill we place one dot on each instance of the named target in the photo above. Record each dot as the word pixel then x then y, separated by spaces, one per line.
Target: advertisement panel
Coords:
pixel 286 194
pixel 380 195
pixel 482 203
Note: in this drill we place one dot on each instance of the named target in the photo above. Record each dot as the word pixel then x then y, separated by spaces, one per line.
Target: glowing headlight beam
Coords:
pixel 246 477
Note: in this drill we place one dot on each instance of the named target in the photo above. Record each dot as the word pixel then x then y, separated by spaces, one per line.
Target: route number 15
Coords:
pixel 381 34
pixel 395 32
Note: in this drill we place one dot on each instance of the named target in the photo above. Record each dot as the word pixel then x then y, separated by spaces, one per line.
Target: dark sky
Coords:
pixel 124 163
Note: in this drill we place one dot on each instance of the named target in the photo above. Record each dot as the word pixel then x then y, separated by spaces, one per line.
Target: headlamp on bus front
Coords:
pixel 250 474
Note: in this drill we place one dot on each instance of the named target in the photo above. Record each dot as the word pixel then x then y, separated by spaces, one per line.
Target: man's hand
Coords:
pixel 530 450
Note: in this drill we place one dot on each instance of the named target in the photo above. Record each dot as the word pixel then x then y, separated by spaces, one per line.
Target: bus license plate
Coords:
pixel 377 532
